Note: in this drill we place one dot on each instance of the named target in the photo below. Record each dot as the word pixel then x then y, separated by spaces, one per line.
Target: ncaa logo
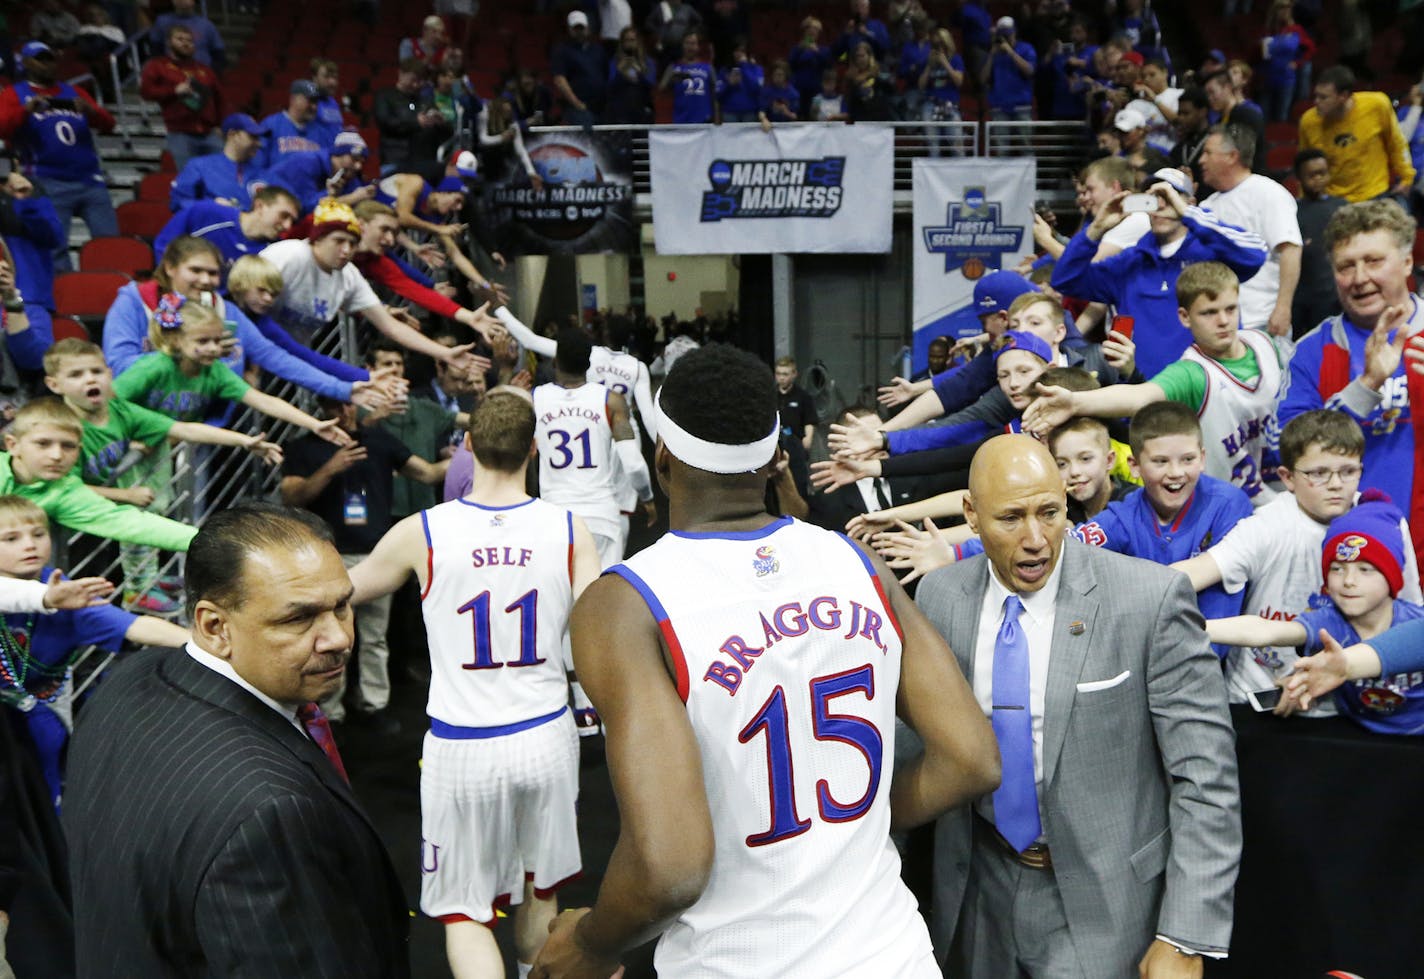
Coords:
pixel 765 562
pixel 1349 549
pixel 974 200
pixel 720 175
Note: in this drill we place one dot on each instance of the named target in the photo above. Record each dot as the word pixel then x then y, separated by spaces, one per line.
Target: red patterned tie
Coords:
pixel 319 729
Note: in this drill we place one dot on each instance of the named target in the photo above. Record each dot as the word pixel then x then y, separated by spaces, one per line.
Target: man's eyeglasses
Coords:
pixel 1321 477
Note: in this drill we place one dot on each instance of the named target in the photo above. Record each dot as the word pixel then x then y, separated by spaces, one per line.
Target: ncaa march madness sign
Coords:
pixel 738 190
pixel 972 216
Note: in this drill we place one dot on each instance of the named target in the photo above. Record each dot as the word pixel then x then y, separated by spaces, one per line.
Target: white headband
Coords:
pixel 714 457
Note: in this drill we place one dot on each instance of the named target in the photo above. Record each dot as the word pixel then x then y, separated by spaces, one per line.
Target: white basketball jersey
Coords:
pixel 619 372
pixel 496 610
pixel 788 659
pixel 575 439
pixel 1238 420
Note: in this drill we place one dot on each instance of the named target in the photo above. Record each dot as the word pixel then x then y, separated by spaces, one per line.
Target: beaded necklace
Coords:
pixel 17 667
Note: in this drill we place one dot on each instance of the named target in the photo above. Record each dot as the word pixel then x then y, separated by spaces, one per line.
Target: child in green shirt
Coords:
pixel 113 428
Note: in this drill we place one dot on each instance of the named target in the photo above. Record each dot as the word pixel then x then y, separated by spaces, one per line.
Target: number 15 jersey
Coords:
pixel 788 659
pixel 575 438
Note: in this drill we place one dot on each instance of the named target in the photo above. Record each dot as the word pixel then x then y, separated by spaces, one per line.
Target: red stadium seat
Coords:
pixel 143 218
pixel 155 187
pixel 128 255
pixel 1280 132
pixel 70 329
pixel 166 163
pixel 1280 157
pixel 87 293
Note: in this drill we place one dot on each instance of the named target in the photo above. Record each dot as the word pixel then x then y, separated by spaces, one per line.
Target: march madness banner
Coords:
pixel 585 205
pixel 738 190
pixel 972 216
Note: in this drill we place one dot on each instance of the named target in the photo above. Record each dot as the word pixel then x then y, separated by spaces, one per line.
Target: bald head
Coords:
pixel 1018 506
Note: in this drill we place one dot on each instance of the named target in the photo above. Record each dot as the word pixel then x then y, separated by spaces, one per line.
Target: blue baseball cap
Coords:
pixel 305 86
pixel 467 165
pixel 1215 55
pixel 242 122
pixel 996 292
pixel 1021 340
pixel 37 49
pixel 451 185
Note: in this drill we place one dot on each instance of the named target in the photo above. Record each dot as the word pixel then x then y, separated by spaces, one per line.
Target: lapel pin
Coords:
pixel 1075 628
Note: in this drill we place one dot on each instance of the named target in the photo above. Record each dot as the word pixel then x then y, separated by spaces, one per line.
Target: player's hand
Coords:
pixel 344 458
pixel 79 593
pixel 1315 676
pixel 563 957
pixel 650 511
pixel 898 392
pixel 331 431
pixel 1285 707
pixel 919 551
pixel 1163 961
pixel 1382 355
pixel 268 452
pixel 859 437
pixel 1052 407
pixel 1121 352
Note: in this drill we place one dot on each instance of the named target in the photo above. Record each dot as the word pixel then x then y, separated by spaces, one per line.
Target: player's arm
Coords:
pixel 961 758
pixel 398 553
pixel 587 565
pixel 625 443
pixel 1252 630
pixel 1202 570
pixel 663 856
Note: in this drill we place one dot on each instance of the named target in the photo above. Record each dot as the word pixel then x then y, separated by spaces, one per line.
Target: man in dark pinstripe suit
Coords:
pixel 210 834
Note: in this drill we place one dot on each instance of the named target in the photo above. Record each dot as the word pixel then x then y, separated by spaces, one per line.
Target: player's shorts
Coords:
pixel 495 812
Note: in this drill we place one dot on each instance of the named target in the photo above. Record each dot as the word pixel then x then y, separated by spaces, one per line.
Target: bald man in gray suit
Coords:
pixel 1113 843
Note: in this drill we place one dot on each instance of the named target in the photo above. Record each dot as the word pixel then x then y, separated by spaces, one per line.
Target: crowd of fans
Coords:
pixel 1212 358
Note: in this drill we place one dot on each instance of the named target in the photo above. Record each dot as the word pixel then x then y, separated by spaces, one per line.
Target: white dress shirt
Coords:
pixel 223 667
pixel 1037 624
pixel 866 485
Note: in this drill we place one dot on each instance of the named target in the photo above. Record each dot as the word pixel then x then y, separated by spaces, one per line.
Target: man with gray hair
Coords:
pixel 1256 203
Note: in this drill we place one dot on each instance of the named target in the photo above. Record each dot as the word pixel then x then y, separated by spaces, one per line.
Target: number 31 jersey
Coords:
pixel 496 608
pixel 788 659
pixel 575 439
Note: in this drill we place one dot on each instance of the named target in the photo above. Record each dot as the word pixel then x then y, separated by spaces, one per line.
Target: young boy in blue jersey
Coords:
pixel 693 83
pixel 38 651
pixel 1231 378
pixel 1363 565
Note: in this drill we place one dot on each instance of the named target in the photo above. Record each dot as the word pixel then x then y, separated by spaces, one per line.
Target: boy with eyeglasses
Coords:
pixel 1274 554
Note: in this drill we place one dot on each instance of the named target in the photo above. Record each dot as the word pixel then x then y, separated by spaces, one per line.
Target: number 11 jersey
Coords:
pixel 788 659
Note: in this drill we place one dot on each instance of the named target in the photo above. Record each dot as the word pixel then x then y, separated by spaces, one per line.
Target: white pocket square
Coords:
pixel 1093 686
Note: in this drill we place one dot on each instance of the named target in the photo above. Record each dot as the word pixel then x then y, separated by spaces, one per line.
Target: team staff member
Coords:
pixel 211 826
pixel 717 808
pixel 1112 844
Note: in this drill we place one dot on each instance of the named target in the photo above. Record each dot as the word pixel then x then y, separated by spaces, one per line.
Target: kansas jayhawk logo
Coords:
pixel 765 562
pixel 1349 549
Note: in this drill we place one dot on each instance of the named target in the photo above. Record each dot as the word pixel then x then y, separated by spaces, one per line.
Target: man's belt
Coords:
pixel 1037 856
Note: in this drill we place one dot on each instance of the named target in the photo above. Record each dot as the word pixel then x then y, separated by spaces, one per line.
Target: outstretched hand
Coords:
pixel 78 593
pixel 1315 676
pixel 920 551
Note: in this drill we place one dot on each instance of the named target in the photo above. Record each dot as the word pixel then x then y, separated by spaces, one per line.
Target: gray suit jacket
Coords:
pixel 210 837
pixel 1140 799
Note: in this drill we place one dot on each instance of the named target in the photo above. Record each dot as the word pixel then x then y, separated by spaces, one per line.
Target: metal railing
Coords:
pixel 1061 148
pixel 205 479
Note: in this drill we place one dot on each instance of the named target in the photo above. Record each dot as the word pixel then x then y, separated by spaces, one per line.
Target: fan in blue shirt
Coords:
pixel 227 177
pixel 235 233
pixel 693 83
pixel 333 171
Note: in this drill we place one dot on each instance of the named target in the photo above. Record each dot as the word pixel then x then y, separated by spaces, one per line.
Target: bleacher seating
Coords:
pixel 87 294
pixel 128 255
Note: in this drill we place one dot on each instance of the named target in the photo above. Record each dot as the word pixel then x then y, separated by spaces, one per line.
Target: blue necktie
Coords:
pixel 1016 799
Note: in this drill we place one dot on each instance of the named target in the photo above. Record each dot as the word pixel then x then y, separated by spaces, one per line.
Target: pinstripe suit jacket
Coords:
pixel 1139 793
pixel 211 838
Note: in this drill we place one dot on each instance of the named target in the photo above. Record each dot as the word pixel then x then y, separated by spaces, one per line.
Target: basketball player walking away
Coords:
pixel 498 571
pixel 749 671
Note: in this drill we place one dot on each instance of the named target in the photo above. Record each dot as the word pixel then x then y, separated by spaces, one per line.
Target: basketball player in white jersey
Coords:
pixel 498 572
pixel 579 428
pixel 749 670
